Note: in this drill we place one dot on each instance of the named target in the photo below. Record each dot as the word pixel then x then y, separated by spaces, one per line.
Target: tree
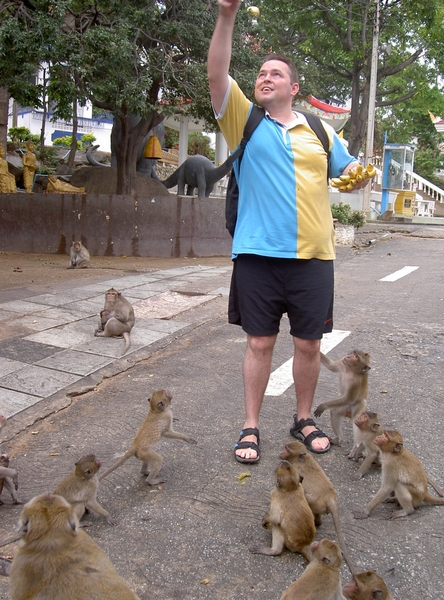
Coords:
pixel 138 60
pixel 331 42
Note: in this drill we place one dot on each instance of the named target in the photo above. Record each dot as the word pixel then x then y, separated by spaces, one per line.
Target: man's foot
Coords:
pixel 306 431
pixel 246 450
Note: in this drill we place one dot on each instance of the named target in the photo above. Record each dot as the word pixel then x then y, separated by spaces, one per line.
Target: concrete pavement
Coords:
pixel 189 538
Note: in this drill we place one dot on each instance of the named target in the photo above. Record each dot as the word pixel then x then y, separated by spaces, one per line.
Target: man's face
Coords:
pixel 273 84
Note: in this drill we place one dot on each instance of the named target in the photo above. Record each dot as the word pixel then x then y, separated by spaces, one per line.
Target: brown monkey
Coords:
pixel 318 489
pixel 116 318
pixel 321 580
pixel 58 560
pixel 368 429
pixel 353 388
pixel 402 473
pixel 8 479
pixel 157 423
pixel 367 585
pixel 78 256
pixel 3 422
pixel 290 518
pixel 80 488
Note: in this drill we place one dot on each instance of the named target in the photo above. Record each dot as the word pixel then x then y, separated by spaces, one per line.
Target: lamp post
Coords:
pixel 371 105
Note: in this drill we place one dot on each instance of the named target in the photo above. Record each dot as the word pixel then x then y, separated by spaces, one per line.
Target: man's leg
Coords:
pixel 306 366
pixel 256 373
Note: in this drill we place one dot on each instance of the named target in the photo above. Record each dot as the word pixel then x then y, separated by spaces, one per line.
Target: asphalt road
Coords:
pixel 189 537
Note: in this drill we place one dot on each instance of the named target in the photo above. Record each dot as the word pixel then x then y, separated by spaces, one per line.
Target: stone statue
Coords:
pixel 7 179
pixel 197 172
pixel 29 166
pixel 61 187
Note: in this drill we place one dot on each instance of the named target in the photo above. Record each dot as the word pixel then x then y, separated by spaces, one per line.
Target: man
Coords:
pixel 283 245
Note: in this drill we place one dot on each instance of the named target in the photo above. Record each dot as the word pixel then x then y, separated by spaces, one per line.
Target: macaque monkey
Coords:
pixel 402 473
pixel 8 479
pixel 290 518
pixel 80 489
pixel 318 489
pixel 367 585
pixel 158 423
pixel 368 428
pixel 116 318
pixel 78 256
pixel 58 560
pixel 353 388
pixel 3 422
pixel 321 579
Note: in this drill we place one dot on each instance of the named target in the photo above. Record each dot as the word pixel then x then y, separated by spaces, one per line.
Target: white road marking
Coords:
pixel 398 274
pixel 281 379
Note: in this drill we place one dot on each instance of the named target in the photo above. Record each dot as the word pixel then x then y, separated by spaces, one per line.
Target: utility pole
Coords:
pixel 371 106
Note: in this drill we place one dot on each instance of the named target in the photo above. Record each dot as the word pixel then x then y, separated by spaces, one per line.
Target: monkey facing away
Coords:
pixel 318 489
pixel 368 428
pixel 78 256
pixel 402 473
pixel 367 585
pixel 353 389
pixel 321 579
pixel 290 518
pixel 158 423
pixel 8 479
pixel 58 560
pixel 80 488
pixel 116 318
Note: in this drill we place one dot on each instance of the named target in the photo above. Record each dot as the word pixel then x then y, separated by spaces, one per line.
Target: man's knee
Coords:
pixel 307 347
pixel 261 344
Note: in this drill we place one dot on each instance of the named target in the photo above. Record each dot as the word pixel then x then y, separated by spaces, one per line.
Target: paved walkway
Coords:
pixel 53 348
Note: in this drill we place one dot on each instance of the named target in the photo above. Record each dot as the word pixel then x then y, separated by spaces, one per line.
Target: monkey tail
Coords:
pixel 334 513
pixel 128 454
pixel 429 499
pixel 127 338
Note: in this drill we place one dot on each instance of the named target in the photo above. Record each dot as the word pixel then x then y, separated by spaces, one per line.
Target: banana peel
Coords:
pixel 345 183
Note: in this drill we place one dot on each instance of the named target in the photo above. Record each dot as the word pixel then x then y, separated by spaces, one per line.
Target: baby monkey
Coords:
pixel 353 389
pixel 367 585
pixel 158 423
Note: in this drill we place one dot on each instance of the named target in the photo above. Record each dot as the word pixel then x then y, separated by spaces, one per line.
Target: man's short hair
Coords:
pixel 294 75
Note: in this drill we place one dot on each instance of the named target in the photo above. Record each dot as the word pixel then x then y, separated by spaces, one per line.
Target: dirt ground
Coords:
pixel 20 270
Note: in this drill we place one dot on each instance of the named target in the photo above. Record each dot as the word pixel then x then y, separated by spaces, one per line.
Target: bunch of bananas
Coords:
pixel 345 183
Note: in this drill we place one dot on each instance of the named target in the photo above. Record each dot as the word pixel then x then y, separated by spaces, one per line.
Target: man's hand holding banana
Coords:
pixel 354 177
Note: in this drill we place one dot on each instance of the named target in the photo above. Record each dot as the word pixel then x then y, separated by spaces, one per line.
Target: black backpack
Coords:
pixel 256 116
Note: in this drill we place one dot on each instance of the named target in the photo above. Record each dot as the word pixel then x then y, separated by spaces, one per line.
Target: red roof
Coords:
pixel 327 107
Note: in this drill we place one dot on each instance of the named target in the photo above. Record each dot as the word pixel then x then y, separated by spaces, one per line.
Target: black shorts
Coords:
pixel 263 289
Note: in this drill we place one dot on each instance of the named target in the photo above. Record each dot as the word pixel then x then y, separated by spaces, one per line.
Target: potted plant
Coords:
pixel 345 222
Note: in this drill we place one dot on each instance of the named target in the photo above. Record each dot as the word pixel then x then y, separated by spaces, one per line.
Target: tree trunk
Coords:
pixel 42 130
pixel 126 137
pixel 75 121
pixel 358 115
pixel 4 102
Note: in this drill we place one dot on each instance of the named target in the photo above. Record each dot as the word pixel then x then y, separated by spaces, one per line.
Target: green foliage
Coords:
pixel 171 138
pixel 86 140
pixel 198 143
pixel 345 215
pixel 20 135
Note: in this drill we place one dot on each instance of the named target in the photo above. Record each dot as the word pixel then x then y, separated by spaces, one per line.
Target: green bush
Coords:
pixel 86 140
pixel 345 215
pixel 20 135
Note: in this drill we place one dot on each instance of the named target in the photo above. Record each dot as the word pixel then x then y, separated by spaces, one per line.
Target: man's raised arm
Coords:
pixel 219 53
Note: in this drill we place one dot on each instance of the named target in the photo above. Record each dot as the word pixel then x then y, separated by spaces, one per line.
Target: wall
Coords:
pixel 167 227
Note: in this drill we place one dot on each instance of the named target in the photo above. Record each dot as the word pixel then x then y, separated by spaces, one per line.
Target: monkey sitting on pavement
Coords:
pixel 367 585
pixel 353 389
pixel 402 473
pixel 158 423
pixel 57 560
pixel 290 518
pixel 321 579
pixel 78 256
pixel 117 318
pixel 8 479
pixel 318 489
pixel 80 489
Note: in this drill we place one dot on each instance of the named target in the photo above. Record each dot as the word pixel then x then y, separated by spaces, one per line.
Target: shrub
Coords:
pixel 345 215
pixel 20 135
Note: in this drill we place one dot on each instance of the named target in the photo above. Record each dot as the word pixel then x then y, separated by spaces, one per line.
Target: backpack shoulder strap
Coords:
pixel 256 115
pixel 318 128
